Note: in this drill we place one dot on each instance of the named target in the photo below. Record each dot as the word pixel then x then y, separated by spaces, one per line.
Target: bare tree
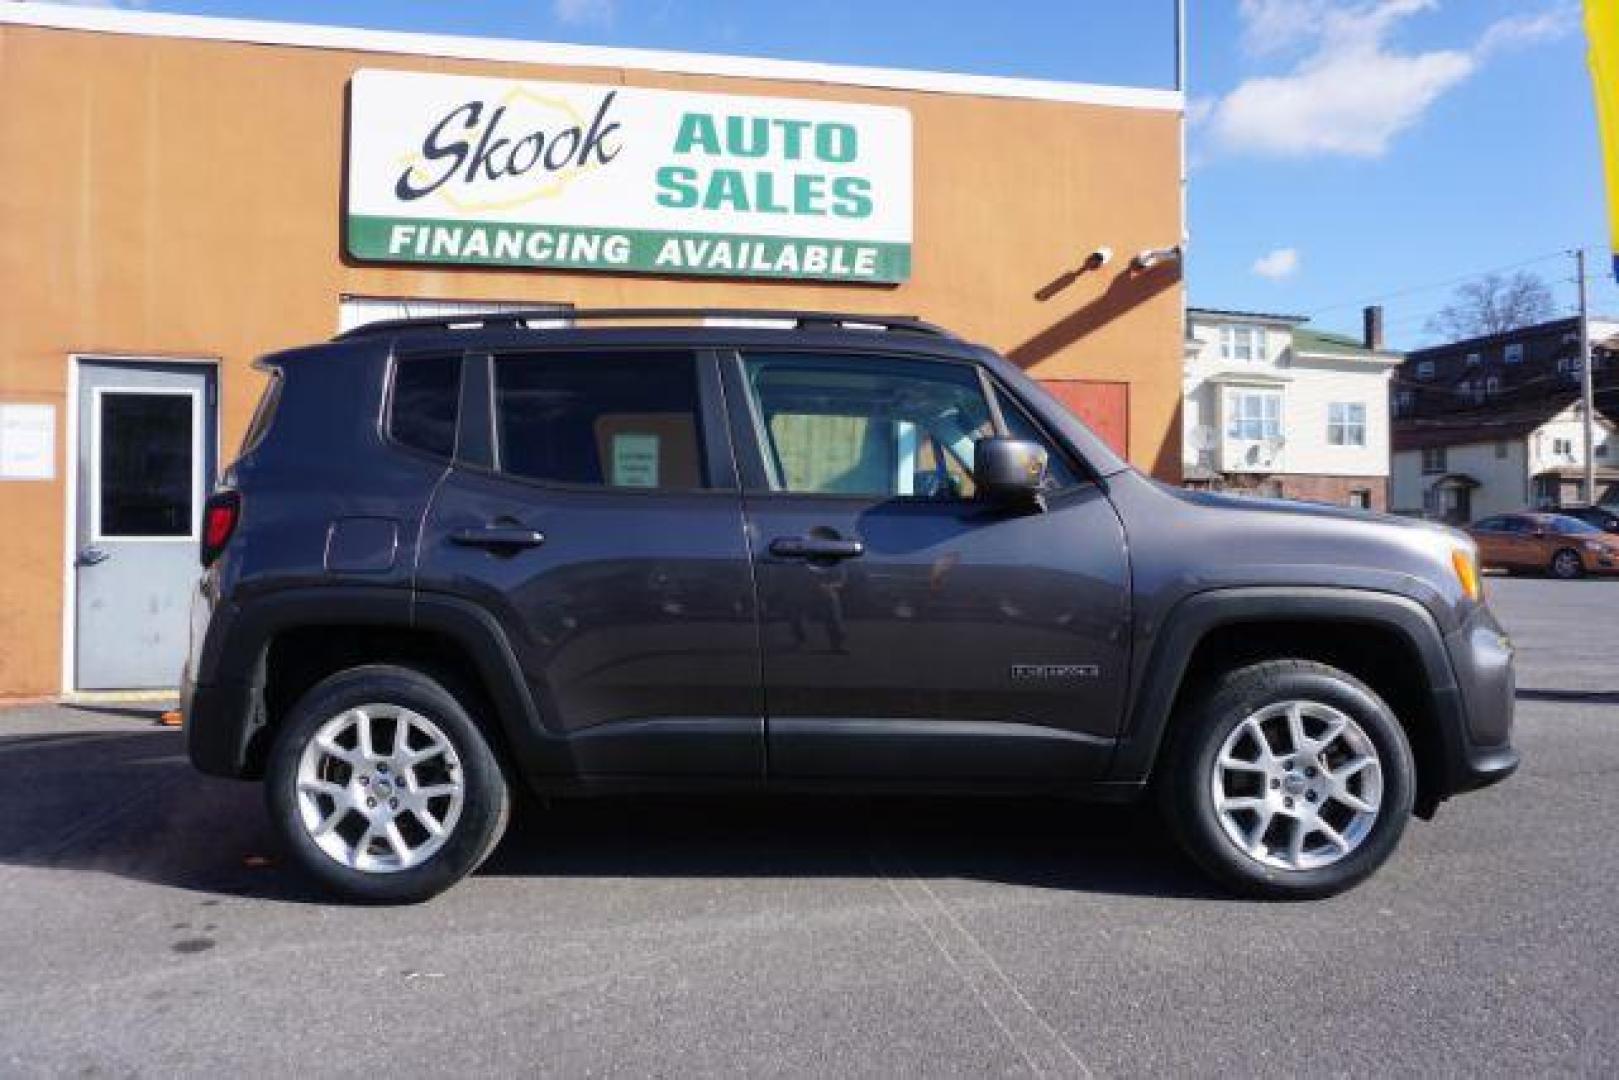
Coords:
pixel 1492 305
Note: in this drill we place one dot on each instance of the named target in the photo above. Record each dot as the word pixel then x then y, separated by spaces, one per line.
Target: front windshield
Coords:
pixel 1564 525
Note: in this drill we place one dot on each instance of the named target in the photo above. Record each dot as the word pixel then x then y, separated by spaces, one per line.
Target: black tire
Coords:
pixel 486 802
pixel 1566 564
pixel 1185 783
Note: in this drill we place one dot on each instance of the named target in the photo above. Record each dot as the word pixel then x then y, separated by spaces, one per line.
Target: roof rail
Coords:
pixel 519 319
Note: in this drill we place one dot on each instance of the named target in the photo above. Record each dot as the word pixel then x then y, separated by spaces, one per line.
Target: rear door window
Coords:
pixel 609 420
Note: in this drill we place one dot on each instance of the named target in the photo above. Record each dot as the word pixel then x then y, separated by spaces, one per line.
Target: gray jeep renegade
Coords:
pixel 694 550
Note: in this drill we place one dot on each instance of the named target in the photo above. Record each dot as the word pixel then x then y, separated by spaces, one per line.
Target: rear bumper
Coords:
pixel 216 739
pixel 216 713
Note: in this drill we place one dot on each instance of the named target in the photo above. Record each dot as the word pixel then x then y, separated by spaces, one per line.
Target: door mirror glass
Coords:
pixel 1009 470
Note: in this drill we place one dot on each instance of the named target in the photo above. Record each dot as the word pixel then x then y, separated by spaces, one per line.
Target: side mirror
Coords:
pixel 1009 470
pixel 1539 534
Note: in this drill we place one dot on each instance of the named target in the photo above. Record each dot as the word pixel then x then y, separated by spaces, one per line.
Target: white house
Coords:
pixel 1273 408
pixel 1459 469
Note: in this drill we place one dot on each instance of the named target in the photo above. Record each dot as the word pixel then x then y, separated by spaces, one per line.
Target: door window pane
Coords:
pixel 607 420
pixel 145 465
pixel 869 426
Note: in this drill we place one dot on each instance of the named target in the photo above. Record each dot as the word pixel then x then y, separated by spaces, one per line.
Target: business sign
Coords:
pixel 497 172
pixel 1602 31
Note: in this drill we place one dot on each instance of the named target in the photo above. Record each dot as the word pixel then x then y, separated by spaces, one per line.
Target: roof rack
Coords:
pixel 519 319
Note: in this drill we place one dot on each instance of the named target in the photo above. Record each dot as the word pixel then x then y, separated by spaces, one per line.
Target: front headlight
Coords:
pixel 1464 560
pixel 1595 548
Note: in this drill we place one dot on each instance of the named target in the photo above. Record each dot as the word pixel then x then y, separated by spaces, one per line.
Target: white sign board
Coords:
pixel 635 459
pixel 27 442
pixel 472 170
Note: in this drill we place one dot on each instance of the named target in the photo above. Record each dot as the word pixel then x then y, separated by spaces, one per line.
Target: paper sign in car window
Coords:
pixel 635 459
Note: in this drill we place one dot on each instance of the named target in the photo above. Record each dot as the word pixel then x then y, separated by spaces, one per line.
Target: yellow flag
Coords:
pixel 1602 32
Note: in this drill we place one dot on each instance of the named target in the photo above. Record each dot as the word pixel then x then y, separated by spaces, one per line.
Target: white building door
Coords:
pixel 146 460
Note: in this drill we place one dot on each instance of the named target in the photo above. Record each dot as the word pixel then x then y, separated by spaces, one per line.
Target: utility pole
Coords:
pixel 1587 397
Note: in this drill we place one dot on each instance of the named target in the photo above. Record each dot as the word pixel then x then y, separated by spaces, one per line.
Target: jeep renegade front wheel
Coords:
pixel 383 788
pixel 1289 780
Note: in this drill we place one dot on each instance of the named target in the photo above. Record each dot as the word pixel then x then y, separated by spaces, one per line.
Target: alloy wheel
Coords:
pixel 1297 785
pixel 379 788
pixel 1566 564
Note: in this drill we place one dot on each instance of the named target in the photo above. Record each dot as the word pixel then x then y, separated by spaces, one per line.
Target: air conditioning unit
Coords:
pixel 1265 455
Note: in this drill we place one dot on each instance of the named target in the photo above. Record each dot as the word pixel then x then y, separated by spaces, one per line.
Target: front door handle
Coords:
pixel 816 547
pixel 91 556
pixel 498 537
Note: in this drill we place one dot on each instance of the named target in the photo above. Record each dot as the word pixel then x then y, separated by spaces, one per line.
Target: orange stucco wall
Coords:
pixel 165 196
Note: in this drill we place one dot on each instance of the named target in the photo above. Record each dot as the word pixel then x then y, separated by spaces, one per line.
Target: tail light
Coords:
pixel 220 516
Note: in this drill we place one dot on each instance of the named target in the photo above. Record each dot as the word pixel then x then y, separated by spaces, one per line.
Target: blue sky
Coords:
pixel 1341 150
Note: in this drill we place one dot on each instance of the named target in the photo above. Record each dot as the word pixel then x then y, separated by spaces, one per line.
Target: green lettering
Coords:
pixel 836 142
pixel 851 197
pixel 792 132
pixel 726 191
pixel 765 186
pixel 697 130
pixel 677 187
pixel 809 194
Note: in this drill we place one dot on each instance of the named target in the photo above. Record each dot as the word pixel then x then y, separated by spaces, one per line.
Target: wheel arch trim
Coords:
pixel 228 708
pixel 1156 684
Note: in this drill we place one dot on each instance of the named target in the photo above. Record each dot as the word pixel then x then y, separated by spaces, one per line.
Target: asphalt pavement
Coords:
pixel 147 926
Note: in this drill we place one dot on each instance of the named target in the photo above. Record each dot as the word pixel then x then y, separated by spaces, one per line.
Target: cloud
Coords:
pixel 1349 91
pixel 583 12
pixel 1272 26
pixel 1522 30
pixel 1278 265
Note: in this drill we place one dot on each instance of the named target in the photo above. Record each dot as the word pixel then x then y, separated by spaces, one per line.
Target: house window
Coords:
pixel 1360 498
pixel 1346 424
pixel 1514 354
pixel 1464 389
pixel 1242 343
pixel 1425 369
pixel 1254 415
pixel 1403 401
pixel 1601 449
pixel 1474 359
pixel 1433 459
pixel 1492 386
pixel 1501 450
pixel 1562 447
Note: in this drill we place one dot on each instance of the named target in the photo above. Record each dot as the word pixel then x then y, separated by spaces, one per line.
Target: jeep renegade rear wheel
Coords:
pixel 383 788
pixel 1289 780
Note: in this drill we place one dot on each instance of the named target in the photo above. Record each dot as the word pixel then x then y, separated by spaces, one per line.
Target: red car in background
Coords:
pixel 1558 544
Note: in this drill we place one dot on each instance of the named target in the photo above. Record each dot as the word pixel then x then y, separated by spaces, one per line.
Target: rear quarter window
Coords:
pixel 426 402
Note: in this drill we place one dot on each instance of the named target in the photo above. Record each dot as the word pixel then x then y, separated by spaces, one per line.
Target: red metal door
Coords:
pixel 1104 406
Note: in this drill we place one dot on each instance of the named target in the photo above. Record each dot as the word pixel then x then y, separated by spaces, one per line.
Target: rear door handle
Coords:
pixel 816 547
pixel 496 537
pixel 90 556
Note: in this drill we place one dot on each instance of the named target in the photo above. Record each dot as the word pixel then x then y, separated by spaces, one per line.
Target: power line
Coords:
pixel 1414 289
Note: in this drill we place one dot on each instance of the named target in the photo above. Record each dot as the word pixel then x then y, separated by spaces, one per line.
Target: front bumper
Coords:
pixel 1479 750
